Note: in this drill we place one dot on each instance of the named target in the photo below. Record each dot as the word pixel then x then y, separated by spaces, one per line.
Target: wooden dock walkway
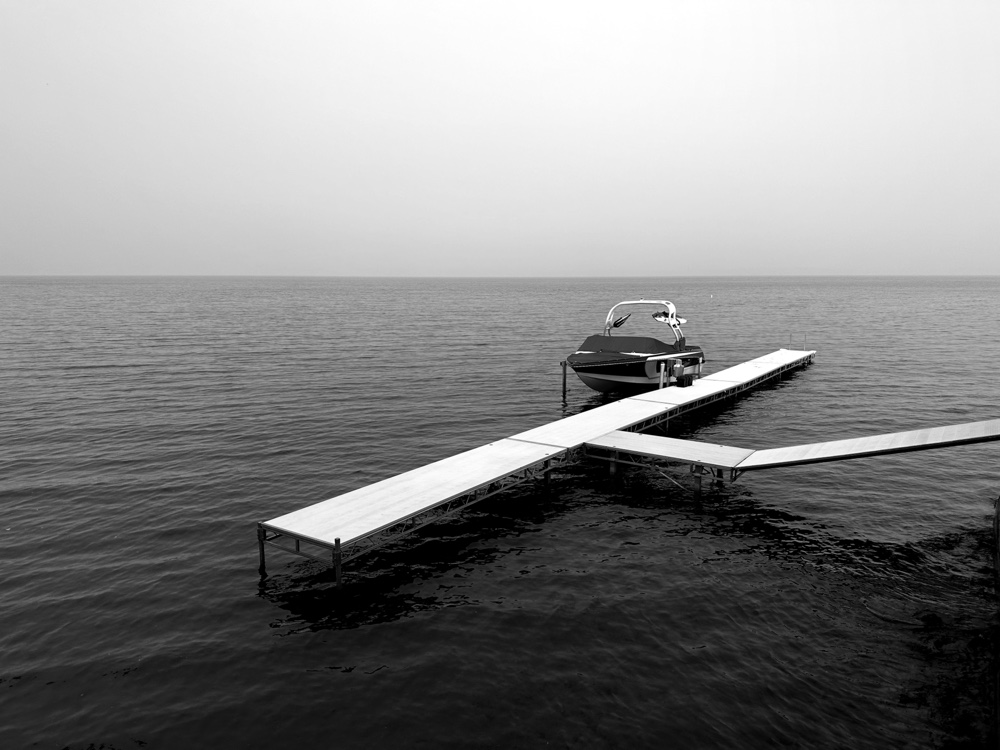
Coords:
pixel 343 527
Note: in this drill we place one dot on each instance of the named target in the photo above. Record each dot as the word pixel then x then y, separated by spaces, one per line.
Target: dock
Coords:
pixel 337 530
pixel 722 460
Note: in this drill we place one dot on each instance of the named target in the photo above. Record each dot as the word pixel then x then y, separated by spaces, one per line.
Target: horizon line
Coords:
pixel 428 276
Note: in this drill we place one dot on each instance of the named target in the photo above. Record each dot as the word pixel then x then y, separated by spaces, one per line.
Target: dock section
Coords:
pixel 874 445
pixel 621 446
pixel 343 527
pixel 368 517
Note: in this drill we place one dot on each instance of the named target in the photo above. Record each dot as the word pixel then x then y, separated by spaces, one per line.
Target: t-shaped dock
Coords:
pixel 351 524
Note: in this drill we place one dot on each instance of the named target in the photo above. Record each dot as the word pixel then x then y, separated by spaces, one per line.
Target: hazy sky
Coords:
pixel 499 138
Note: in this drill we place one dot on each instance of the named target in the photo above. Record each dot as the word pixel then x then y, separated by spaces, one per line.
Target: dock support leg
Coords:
pixel 564 380
pixel 547 472
pixel 260 550
pixel 697 485
pixel 338 573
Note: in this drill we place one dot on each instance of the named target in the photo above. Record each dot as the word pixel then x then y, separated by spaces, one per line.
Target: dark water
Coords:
pixel 147 424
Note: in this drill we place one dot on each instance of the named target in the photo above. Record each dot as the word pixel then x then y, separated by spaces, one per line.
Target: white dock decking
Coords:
pixel 671 449
pixel 378 506
pixel 367 517
pixel 875 445
pixel 738 460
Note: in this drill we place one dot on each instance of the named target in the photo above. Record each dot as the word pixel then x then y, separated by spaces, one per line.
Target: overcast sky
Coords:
pixel 419 137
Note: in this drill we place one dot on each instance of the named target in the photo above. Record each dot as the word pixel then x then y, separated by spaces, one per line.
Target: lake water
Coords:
pixel 149 423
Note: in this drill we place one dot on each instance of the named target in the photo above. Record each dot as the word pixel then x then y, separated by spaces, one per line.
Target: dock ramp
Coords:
pixel 620 445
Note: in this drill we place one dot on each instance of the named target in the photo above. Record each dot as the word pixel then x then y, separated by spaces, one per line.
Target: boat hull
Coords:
pixel 614 371
pixel 612 383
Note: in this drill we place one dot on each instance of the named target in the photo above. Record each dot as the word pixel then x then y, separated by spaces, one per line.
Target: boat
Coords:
pixel 608 363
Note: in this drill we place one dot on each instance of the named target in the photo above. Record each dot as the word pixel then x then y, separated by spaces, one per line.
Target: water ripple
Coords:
pixel 149 423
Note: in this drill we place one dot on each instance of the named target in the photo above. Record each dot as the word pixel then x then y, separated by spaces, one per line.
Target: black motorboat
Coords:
pixel 607 362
